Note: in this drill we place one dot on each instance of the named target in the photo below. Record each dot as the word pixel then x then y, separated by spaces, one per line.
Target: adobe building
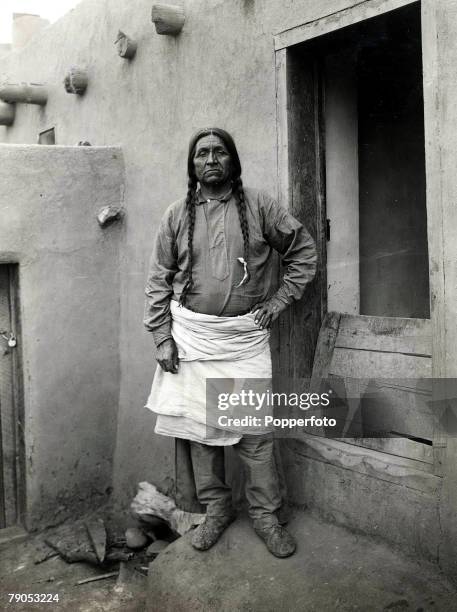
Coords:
pixel 345 110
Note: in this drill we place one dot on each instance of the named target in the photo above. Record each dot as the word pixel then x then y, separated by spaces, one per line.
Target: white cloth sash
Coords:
pixel 202 337
pixel 208 347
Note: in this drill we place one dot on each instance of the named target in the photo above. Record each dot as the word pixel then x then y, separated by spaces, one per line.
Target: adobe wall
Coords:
pixel 69 314
pixel 150 106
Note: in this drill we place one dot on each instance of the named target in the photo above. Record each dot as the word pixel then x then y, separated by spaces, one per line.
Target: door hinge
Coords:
pixel 327 229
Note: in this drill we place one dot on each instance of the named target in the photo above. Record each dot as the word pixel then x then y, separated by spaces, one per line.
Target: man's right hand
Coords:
pixel 167 356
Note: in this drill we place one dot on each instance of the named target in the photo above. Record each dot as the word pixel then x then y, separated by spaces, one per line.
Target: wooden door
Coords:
pixel 8 420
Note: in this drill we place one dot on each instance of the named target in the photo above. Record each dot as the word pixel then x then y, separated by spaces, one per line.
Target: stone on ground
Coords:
pixel 332 570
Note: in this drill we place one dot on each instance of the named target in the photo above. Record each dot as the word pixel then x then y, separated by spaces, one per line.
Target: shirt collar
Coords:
pixel 224 198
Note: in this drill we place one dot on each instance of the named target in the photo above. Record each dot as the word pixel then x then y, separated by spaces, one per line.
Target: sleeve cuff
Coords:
pixel 161 333
pixel 281 298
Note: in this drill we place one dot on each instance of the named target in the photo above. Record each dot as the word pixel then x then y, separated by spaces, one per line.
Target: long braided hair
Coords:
pixel 238 192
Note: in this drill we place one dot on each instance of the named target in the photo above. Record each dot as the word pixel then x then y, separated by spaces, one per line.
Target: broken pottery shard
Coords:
pixel 72 543
pixel 156 547
pixel 149 501
pixel 97 535
pixel 108 214
pixel 135 538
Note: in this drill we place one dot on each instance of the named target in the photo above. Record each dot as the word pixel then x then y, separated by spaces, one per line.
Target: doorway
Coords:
pixel 373 110
pixel 356 176
pixel 10 397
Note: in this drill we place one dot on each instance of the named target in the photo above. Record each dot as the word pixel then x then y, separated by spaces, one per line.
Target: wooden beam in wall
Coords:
pixel 335 21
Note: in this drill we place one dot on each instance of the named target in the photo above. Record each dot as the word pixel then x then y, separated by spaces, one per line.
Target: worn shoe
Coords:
pixel 278 540
pixel 283 514
pixel 208 533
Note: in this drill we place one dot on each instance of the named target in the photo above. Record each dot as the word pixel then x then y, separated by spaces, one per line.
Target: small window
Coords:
pixel 48 137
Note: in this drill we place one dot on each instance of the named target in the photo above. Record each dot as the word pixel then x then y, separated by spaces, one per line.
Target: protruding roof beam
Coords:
pixel 76 81
pixel 28 93
pixel 7 113
pixel 126 47
pixel 169 19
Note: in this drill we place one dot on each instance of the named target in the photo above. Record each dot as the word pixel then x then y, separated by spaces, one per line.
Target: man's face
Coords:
pixel 212 161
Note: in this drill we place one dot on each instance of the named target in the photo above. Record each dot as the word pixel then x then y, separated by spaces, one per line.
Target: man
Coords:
pixel 210 305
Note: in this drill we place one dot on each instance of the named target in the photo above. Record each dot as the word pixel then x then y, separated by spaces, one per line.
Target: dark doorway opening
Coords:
pixel 359 92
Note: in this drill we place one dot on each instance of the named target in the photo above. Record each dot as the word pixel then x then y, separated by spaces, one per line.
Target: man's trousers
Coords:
pixel 262 484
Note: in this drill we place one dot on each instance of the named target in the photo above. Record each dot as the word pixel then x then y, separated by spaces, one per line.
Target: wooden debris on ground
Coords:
pixel 86 541
pixel 130 574
pixel 99 577
pixel 97 536
pixel 72 542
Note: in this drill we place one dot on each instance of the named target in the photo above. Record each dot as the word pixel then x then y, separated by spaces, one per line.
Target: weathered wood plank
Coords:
pixel 335 21
pixel 281 330
pixel 324 350
pixel 384 391
pixel 323 355
pixel 305 202
pixel 7 408
pixel 355 363
pixel 282 134
pixel 397 446
pixel 405 410
pixel 439 33
pixel 440 228
pixel 389 334
pixel 398 470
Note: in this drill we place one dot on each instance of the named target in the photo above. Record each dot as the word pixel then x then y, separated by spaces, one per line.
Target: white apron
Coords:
pixel 208 347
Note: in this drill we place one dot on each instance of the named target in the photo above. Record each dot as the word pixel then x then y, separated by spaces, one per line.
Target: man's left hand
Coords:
pixel 267 312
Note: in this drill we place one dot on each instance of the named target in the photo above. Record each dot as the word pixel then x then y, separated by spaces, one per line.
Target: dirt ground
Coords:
pixel 20 574
pixel 333 570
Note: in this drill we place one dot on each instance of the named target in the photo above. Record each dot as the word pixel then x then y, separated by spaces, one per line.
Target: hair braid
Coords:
pixel 190 208
pixel 241 205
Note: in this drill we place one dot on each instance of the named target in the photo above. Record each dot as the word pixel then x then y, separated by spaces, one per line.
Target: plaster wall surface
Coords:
pixel 69 313
pixel 219 71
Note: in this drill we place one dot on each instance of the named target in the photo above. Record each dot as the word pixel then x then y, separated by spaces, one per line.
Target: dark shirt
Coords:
pixel 217 245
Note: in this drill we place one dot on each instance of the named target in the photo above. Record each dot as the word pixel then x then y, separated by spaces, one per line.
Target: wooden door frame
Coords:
pixel 291 362
pixel 332 22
